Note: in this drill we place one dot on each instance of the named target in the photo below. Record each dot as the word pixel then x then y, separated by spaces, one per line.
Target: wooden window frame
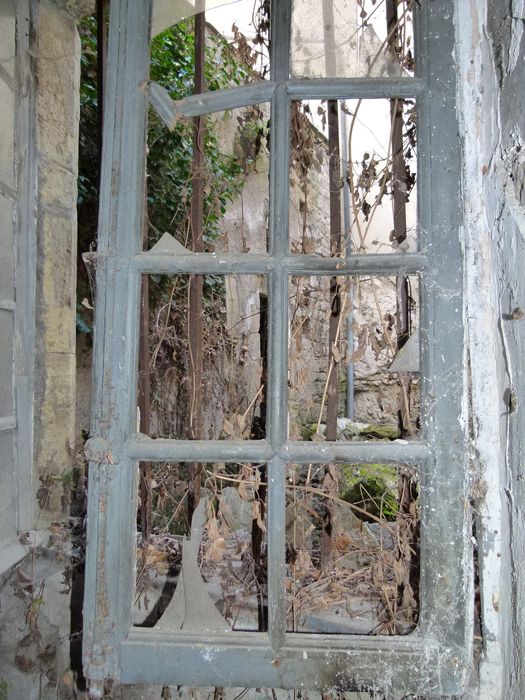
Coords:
pixel 437 657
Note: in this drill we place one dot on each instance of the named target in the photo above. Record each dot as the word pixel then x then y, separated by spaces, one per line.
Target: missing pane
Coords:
pixel 236 45
pixel 208 181
pixel 203 567
pixel 352 177
pixel 347 39
pixel 354 358
pixel 352 548
pixel 207 357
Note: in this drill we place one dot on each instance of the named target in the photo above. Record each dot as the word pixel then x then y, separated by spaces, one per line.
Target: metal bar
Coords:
pixel 170 111
pixel 276 553
pixel 280 37
pixel 277 397
pixel 279 175
pixel 160 450
pixel 144 394
pixel 330 485
pixel 195 302
pixel 144 448
pixel 350 404
pixel 334 174
pixel 276 424
pixel 354 88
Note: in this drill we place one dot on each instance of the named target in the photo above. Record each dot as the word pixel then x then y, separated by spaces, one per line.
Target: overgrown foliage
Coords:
pixel 169 183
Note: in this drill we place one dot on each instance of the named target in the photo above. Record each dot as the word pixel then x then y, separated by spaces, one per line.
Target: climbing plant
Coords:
pixel 169 152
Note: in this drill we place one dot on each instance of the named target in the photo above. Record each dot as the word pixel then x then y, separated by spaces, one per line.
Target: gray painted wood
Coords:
pixel 435 659
pixel 170 111
pixel 25 314
pixel 223 263
pixel 112 480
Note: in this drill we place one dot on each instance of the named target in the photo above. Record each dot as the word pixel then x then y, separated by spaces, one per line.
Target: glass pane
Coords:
pixel 208 182
pixel 201 567
pixel 207 359
pixel 354 358
pixel 352 38
pixel 236 46
pixel 352 177
pixel 352 548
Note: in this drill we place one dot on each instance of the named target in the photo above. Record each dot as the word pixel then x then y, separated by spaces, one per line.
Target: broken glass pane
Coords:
pixel 203 568
pixel 352 177
pixel 208 181
pixel 352 39
pixel 345 335
pixel 352 548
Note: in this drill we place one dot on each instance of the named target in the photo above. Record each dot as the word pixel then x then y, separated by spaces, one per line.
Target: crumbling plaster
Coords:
pixel 491 61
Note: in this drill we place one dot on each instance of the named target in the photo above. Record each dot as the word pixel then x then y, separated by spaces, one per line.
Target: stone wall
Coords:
pixel 57 69
pixel 39 79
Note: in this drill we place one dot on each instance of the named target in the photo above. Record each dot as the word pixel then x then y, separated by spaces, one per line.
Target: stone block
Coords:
pixel 56 285
pixel 58 68
pixel 58 186
pixel 55 428
pixel 78 8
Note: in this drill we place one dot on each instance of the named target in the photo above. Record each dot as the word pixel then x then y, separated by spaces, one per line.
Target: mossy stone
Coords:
pixel 374 496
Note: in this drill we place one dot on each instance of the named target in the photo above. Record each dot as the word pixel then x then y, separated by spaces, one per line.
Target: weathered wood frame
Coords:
pixel 436 658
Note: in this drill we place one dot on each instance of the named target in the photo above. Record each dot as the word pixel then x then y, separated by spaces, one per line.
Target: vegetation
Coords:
pixel 169 183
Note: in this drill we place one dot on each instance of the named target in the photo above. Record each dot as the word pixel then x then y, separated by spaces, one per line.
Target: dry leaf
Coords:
pixel 256 515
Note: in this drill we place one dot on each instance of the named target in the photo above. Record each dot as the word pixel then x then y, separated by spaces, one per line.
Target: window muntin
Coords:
pixel 436 655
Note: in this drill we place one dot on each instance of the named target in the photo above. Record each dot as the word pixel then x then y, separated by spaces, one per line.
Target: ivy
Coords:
pixel 169 158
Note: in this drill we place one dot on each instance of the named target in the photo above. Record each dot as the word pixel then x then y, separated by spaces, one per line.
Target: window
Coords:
pixel 434 657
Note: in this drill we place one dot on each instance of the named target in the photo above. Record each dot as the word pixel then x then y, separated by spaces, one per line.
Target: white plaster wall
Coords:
pixel 493 240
